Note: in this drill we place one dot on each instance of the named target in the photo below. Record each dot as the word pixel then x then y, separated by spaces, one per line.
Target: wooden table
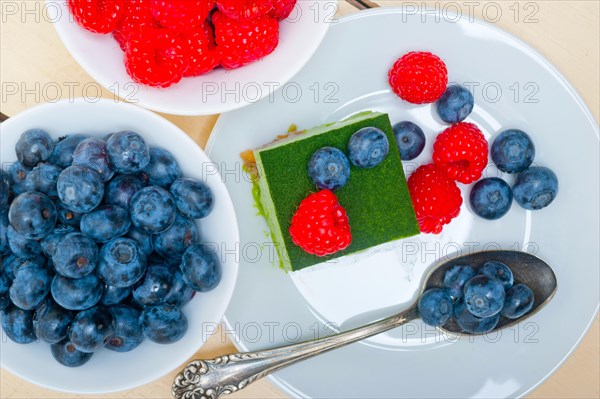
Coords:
pixel 567 33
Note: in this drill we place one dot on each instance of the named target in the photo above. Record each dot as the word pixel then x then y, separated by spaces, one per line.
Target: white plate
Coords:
pixel 109 371
pixel 218 91
pixel 348 74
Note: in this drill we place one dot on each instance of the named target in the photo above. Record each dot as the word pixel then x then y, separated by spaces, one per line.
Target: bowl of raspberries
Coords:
pixel 113 230
pixel 192 57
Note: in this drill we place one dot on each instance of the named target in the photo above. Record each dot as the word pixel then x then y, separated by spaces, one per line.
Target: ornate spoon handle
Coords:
pixel 209 379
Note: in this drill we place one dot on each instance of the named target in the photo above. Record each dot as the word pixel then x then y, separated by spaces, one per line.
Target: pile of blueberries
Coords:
pixel 476 300
pixel 98 244
pixel 329 167
pixel 512 151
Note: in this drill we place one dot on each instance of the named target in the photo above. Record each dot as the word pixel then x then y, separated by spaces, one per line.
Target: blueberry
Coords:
pixel 456 278
pixel 5 281
pixel 66 354
pixel 484 297
pixel 122 262
pixel 76 255
pixel 173 242
pixel 201 268
pixel 50 242
pixel 512 151
pixel 155 258
pixel 91 152
pixel 145 240
pixel 519 300
pixel 34 146
pixel 410 140
pixel 163 324
pixel 114 295
pixel 4 303
pixel 192 197
pixel 329 168
pixel 368 147
pixel 4 188
pixel 128 330
pixel 491 198
pixel 51 322
pixel 4 247
pixel 18 324
pixel 80 188
pixel 30 286
pixel 120 190
pixel 91 328
pixel 22 246
pixel 17 174
pixel 180 293
pixel 435 307
pixel 43 179
pixel 152 209
pixel 105 223
pixel 455 104
pixel 472 324
pixel 63 150
pixel 163 169
pixel 535 188
pixel 77 293
pixel 154 287
pixel 10 264
pixel 127 152
pixel 498 271
pixel 67 216
pixel 33 215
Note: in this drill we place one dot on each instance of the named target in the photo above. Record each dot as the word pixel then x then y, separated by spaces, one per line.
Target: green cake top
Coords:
pixel 376 200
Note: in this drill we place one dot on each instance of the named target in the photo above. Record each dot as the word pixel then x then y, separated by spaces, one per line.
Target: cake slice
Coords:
pixel 376 200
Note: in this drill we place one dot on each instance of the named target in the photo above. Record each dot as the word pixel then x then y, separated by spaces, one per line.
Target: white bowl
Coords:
pixel 216 92
pixel 110 371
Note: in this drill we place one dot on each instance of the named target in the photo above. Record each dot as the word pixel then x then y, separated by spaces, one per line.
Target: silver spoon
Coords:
pixel 226 374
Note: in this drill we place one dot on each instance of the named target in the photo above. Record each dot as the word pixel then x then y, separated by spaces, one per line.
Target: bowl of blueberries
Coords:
pixel 118 244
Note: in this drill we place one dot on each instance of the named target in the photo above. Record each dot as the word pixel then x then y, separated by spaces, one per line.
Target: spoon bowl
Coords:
pixel 527 269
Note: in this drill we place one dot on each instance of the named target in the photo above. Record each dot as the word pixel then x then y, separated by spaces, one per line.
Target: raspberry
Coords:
pixel 419 77
pixel 436 199
pixel 242 42
pixel 136 17
pixel 98 16
pixel 200 51
pixel 156 59
pixel 180 15
pixel 282 9
pixel 462 152
pixel 243 10
pixel 320 225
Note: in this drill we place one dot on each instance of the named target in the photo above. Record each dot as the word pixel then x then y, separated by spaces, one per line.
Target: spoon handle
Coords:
pixel 209 379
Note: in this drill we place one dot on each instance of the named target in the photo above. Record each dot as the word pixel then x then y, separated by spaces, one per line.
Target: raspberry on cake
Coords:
pixel 418 77
pixel 320 225
pixel 374 204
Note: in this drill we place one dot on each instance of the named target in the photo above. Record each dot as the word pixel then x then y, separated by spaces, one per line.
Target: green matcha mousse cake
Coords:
pixel 376 200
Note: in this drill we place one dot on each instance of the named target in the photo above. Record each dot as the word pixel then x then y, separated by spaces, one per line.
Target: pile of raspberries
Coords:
pixel 166 40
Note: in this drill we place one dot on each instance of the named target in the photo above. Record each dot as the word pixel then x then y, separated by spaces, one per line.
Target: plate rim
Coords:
pixel 239 344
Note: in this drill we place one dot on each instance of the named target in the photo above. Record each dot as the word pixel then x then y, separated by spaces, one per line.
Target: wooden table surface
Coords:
pixel 567 33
